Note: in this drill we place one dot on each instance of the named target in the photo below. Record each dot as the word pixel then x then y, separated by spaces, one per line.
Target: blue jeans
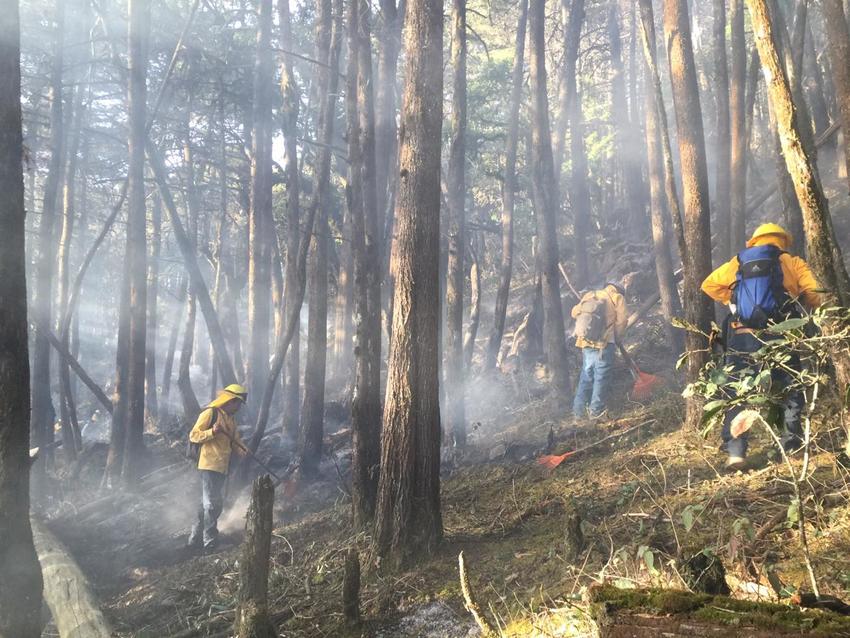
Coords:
pixel 596 367
pixel 212 501
pixel 739 349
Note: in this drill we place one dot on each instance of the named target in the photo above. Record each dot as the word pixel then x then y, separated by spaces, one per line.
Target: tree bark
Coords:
pixel 546 205
pixel 625 133
pixel 252 612
pixel 838 36
pixel 662 238
pixel 151 390
pixel 455 418
pixel 329 37
pixel 475 248
pixel 139 28
pixel 696 260
pixel 509 187
pixel 821 251
pixel 739 140
pixel 408 519
pixel 43 412
pixel 722 158
pixel 20 591
pixel 260 221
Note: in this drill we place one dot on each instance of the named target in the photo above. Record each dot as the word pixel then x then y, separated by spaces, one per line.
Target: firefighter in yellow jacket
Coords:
pixel 216 434
pixel 763 283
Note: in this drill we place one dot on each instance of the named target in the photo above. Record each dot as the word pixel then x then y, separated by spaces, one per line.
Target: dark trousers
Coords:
pixel 212 501
pixel 740 348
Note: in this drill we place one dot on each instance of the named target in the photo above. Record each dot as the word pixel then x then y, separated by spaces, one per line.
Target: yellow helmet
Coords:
pixel 771 229
pixel 237 391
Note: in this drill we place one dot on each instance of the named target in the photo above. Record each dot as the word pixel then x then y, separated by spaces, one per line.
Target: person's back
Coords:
pixel 601 320
pixel 761 285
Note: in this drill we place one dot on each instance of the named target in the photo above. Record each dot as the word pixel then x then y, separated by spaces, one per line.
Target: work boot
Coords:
pixel 736 463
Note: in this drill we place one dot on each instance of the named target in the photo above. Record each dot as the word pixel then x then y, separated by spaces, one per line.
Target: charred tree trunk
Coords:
pixel 312 413
pixel 739 140
pixel 20 596
pixel 260 222
pixel 475 248
pixel 579 192
pixel 509 187
pixel 821 251
pixel 838 36
pixel 696 260
pixel 722 158
pixel 408 519
pixel 252 612
pixel 139 27
pixel 546 204
pixel 42 403
pixel 455 418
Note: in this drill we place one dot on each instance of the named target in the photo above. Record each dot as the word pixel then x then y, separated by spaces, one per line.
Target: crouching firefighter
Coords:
pixel 215 436
pixel 601 320
pixel 762 285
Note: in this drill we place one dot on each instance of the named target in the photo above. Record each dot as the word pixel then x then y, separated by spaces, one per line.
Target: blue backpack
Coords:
pixel 759 294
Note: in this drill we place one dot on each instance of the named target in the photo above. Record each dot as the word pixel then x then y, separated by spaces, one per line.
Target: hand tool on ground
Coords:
pixel 551 461
pixel 645 383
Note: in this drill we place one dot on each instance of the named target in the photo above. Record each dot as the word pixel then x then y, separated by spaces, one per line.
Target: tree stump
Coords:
pixel 648 613
pixel 66 591
pixel 351 588
pixel 252 613
pixel 573 536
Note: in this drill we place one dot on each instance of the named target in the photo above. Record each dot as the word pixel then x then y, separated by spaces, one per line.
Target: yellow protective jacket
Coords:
pixel 216 448
pixel 797 277
pixel 616 316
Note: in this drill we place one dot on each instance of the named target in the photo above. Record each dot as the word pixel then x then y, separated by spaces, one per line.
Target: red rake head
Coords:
pixel 551 461
pixel 645 386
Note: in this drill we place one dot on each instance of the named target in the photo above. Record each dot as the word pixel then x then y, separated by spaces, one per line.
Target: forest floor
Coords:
pixel 646 497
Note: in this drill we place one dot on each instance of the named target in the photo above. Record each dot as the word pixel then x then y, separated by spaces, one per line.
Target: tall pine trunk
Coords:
pixel 456 198
pixel 696 259
pixel 546 205
pixel 739 140
pixel 20 596
pixel 509 187
pixel 408 519
pixel 722 155
pixel 839 54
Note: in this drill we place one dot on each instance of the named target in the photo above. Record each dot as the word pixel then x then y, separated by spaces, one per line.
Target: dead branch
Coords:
pixel 471 604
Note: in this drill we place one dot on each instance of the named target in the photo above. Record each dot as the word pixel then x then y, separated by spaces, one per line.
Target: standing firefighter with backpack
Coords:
pixel 215 435
pixel 601 320
pixel 763 284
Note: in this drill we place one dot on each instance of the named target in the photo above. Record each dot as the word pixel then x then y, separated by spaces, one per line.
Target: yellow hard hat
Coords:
pixel 237 391
pixel 771 229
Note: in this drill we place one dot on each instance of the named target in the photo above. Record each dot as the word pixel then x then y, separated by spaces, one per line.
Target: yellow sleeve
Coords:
pixel 807 285
pixel 576 311
pixel 718 285
pixel 202 432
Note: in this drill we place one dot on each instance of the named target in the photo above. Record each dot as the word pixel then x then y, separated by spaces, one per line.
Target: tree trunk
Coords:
pixel 42 404
pixel 839 54
pixel 820 249
pixel 722 158
pixel 475 247
pixel 662 238
pixel 625 133
pixel 739 141
pixel 455 419
pixel 408 513
pixel 168 364
pixel 72 604
pixel 813 85
pixel 151 390
pixel 139 28
pixel 260 221
pixel 546 205
pixel 328 41
pixel 572 17
pixel 579 192
pixel 252 612
pixel 696 260
pixel 20 596
pixel 509 187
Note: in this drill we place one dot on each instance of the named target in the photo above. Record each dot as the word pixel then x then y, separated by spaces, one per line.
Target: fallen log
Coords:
pixel 647 613
pixel 66 590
